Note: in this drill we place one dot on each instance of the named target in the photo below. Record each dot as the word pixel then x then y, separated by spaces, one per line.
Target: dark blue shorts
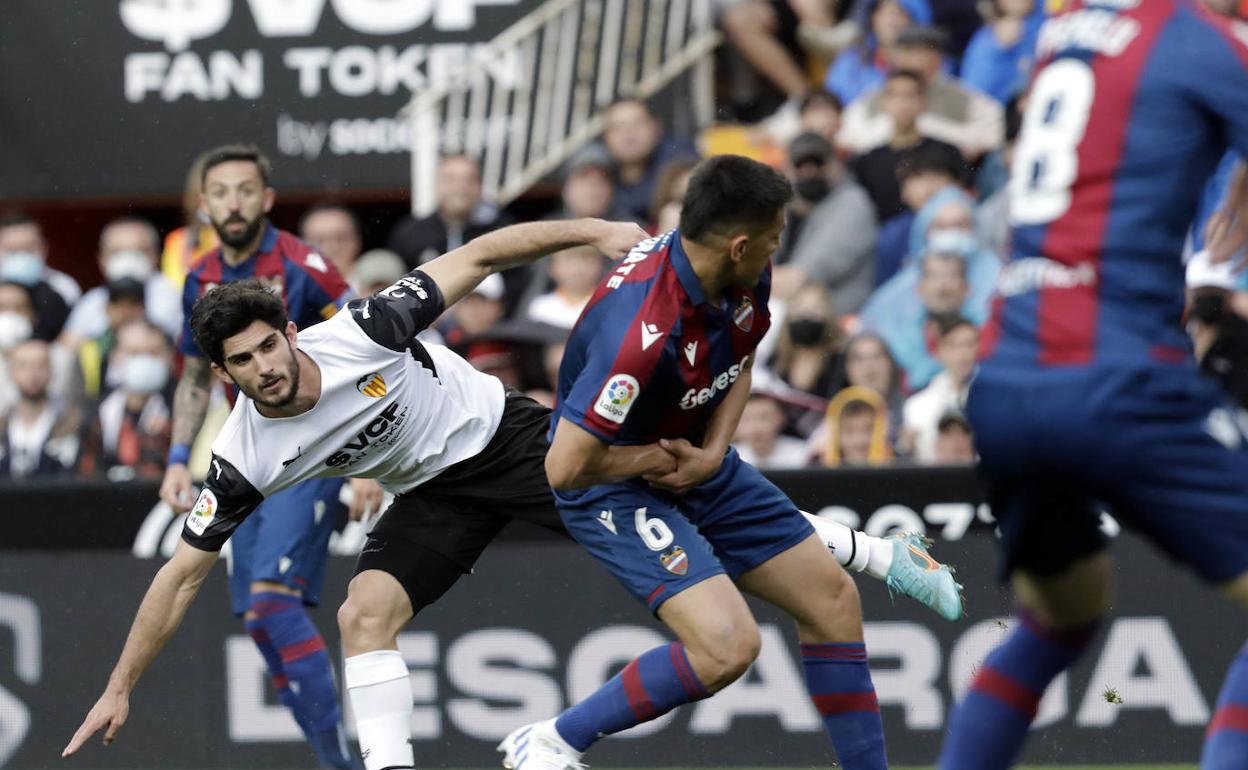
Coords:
pixel 285 540
pixel 658 544
pixel 1158 446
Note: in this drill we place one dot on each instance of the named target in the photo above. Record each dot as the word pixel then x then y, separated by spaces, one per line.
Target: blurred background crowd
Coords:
pixel 895 121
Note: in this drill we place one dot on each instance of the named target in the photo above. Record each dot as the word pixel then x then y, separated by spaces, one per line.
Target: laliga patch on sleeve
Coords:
pixel 201 515
pixel 617 397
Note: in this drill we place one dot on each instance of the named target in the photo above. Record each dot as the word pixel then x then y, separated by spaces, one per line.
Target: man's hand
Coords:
pixel 176 488
pixel 366 498
pixel 618 238
pixel 109 711
pixel 1226 232
pixel 693 466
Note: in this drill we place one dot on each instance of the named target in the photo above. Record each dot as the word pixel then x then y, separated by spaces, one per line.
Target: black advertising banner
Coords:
pixel 539 625
pixel 943 502
pixel 115 98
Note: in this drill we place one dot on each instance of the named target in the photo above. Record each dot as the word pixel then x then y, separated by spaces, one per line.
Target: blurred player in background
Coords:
pixel 662 355
pixel 1087 394
pixel 279 555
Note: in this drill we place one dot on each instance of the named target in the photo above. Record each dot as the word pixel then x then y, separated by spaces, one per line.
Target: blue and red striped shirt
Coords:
pixel 311 286
pixel 650 357
pixel 1131 108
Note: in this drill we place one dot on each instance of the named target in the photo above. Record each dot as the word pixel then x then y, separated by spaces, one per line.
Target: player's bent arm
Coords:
pixel 161 612
pixel 190 399
pixel 458 272
pixel 723 424
pixel 578 458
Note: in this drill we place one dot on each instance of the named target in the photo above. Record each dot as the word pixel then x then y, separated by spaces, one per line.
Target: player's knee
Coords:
pixel 365 624
pixel 727 656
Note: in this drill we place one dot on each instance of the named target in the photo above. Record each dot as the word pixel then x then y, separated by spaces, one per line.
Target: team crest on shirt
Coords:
pixel 675 560
pixel 372 385
pixel 617 397
pixel 743 316
pixel 201 515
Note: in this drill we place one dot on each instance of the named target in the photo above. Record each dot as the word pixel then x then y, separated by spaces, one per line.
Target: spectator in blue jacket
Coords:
pixel 1000 54
pixel 862 68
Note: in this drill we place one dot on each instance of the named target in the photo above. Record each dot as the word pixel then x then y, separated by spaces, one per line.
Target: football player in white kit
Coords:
pixel 359 396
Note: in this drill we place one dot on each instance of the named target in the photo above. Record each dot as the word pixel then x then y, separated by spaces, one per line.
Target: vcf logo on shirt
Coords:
pixel 724 380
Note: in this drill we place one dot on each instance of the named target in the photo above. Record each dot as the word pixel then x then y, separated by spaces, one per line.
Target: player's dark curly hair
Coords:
pixel 229 309
pixel 228 152
pixel 727 192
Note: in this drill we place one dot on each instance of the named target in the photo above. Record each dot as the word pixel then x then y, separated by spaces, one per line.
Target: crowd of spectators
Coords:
pixel 895 122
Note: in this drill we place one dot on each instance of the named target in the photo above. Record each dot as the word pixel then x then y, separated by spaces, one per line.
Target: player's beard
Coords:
pixel 280 400
pixel 237 240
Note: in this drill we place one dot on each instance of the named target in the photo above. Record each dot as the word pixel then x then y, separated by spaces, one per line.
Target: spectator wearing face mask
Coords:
pixel 1219 335
pixel 123 305
pixel 830 236
pixel 129 249
pixel 22 261
pixel 24 257
pixel 38 433
pixel 196 238
pixel 760 438
pixel 17 325
pixel 956 350
pixel 807 354
pixel 128 437
pixel 908 313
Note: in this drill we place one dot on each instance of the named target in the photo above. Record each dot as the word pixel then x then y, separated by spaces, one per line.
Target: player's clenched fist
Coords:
pixel 618 238
pixel 175 490
pixel 109 711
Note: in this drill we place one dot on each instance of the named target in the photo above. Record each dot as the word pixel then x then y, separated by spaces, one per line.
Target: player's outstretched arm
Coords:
pixel 578 458
pixel 458 272
pixel 160 614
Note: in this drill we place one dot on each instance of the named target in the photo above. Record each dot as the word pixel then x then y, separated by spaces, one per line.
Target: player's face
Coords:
pixel 235 199
pixel 750 255
pixel 261 361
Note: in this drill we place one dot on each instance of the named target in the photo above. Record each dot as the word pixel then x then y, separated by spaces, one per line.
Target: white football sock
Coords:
pixel 381 697
pixel 856 551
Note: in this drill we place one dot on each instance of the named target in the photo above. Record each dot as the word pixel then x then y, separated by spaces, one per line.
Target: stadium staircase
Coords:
pixel 536 93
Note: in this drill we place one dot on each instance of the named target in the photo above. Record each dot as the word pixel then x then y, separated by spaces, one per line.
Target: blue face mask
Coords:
pixel 24 267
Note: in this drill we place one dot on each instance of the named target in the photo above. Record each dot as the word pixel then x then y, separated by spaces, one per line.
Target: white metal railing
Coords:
pixel 536 93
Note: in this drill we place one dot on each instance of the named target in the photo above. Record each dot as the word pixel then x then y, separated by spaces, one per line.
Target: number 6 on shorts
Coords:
pixel 654 532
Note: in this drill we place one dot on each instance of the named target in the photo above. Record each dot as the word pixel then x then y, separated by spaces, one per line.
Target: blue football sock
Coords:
pixel 839 682
pixel 307 669
pixel 273 662
pixel 1226 740
pixel 987 729
pixel 648 687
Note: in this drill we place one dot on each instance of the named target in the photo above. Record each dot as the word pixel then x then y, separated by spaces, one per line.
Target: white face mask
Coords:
pixel 127 264
pixel 24 267
pixel 14 328
pixel 144 374
pixel 951 241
